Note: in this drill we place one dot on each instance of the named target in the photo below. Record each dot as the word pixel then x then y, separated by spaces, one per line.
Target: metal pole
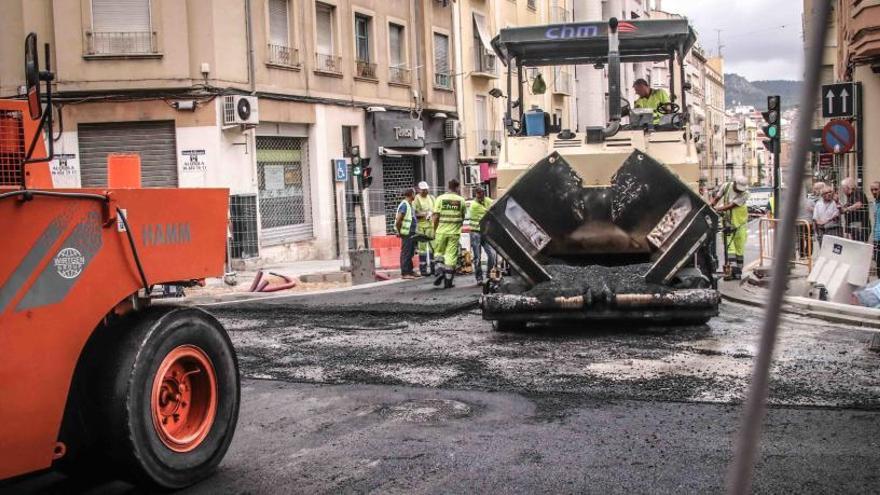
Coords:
pixel 777 169
pixel 740 474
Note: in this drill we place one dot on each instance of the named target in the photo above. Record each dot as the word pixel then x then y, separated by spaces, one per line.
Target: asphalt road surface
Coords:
pixel 407 390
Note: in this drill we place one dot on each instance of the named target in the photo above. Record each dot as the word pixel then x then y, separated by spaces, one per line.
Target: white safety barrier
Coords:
pixel 842 267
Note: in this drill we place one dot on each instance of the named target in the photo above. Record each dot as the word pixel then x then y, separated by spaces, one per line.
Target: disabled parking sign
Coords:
pixel 340 168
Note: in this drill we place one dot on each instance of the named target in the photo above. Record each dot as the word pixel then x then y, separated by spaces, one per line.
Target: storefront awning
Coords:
pixel 483 32
pixel 383 151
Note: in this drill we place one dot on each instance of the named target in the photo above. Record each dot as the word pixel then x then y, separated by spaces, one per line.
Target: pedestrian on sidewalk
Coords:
pixel 733 197
pixel 405 226
pixel 855 211
pixel 424 206
pixel 875 191
pixel 827 215
pixel 805 227
pixel 449 210
pixel 479 206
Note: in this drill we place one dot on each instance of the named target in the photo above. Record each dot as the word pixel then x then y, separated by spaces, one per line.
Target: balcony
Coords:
pixel 122 44
pixel 283 56
pixel 531 5
pixel 559 15
pixel 442 80
pixel 485 64
pixel 328 64
pixel 562 83
pixel 487 142
pixel 365 69
pixel 399 75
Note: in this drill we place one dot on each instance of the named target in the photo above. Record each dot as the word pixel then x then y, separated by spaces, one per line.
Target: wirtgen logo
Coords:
pixel 69 262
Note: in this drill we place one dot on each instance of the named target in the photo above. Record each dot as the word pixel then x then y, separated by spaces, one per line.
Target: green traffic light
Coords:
pixel 356 170
pixel 772 131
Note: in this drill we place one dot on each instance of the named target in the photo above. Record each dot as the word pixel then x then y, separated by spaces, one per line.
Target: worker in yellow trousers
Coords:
pixel 449 210
pixel 424 208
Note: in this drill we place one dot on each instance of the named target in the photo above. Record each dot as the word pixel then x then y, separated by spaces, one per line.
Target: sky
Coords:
pixel 754 43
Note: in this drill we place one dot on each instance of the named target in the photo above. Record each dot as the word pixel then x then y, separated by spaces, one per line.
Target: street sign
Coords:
pixel 838 99
pixel 826 160
pixel 340 170
pixel 838 136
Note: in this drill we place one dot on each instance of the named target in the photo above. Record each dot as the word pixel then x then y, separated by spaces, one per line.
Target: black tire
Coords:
pixel 508 326
pixel 122 401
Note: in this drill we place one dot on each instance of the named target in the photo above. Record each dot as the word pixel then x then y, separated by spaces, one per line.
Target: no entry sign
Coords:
pixel 838 136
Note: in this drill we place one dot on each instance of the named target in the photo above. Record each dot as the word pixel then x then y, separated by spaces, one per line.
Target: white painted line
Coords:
pixel 303 294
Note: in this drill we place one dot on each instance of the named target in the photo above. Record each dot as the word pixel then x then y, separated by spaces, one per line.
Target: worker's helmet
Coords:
pixel 423 186
pixel 740 183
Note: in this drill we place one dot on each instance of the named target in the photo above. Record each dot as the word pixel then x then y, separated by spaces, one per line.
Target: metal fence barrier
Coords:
pixel 803 245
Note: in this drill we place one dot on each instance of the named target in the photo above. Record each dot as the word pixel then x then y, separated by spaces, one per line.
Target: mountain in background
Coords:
pixel 740 91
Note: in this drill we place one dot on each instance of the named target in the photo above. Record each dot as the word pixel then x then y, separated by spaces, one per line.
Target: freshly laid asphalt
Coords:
pixel 405 389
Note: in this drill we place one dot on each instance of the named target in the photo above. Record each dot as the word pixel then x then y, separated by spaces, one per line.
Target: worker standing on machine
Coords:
pixel 478 209
pixel 424 207
pixel 733 196
pixel 449 209
pixel 650 98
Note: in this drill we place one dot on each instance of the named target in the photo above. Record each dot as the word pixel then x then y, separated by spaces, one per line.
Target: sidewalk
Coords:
pixel 756 295
pixel 310 276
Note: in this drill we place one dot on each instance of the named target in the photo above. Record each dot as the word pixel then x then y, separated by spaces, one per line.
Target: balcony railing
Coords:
pixel 365 69
pixel 442 80
pixel 559 15
pixel 484 62
pixel 122 43
pixel 488 142
pixel 283 55
pixel 562 83
pixel 398 75
pixel 331 64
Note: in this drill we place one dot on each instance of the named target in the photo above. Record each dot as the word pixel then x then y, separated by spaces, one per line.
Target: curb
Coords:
pixel 246 297
pixel 796 305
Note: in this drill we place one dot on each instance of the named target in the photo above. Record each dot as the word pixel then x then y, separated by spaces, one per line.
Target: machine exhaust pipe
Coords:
pixel 613 80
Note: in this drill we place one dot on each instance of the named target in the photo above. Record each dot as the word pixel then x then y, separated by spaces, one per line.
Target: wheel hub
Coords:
pixel 184 398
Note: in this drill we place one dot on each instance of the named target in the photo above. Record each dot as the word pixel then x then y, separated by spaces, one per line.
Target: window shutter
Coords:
pixel 324 22
pixel 121 16
pixel 441 54
pixel 395 41
pixel 279 22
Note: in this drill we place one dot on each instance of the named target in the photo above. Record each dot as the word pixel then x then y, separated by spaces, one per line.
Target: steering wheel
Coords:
pixel 625 108
pixel 668 108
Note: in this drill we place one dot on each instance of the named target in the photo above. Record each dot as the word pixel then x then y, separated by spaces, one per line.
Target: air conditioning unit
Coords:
pixel 451 129
pixel 240 110
pixel 472 175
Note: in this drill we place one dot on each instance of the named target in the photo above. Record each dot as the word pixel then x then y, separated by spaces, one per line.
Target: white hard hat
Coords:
pixel 740 183
pixel 423 186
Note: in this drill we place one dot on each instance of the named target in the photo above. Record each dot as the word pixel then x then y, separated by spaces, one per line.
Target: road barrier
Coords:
pixel 803 244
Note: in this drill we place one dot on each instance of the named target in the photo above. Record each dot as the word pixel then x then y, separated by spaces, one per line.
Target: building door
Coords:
pixel 439 169
pixel 285 206
pixel 155 142
pixel 398 173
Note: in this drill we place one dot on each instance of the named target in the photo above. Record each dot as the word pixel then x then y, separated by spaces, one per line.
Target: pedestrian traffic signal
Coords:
pixel 366 173
pixel 772 129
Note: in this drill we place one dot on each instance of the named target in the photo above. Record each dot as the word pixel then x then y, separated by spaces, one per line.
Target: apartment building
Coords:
pixel 479 72
pixel 713 105
pixel 264 97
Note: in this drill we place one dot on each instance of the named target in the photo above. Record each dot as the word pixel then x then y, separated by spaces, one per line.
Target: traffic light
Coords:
pixel 772 130
pixel 366 173
pixel 356 166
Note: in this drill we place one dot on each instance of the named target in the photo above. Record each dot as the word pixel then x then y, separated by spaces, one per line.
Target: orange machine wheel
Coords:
pixel 184 398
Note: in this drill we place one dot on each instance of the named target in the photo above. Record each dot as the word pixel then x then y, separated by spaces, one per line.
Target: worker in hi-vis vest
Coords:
pixel 733 197
pixel 405 226
pixel 479 206
pixel 424 207
pixel 449 209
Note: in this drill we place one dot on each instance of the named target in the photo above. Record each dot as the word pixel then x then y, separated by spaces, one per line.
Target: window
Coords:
pixel 280 50
pixel 397 67
pixel 441 61
pixel 362 37
pixel 325 46
pixel 121 27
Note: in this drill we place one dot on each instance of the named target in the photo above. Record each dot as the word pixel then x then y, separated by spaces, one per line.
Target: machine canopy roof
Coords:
pixel 586 43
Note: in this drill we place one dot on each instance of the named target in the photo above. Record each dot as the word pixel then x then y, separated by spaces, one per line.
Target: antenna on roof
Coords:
pixel 720 46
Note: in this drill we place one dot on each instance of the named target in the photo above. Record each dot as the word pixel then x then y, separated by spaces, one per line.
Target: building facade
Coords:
pixel 264 97
pixel 479 71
